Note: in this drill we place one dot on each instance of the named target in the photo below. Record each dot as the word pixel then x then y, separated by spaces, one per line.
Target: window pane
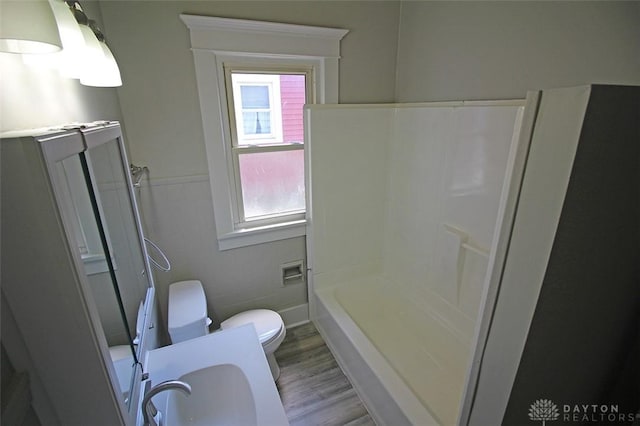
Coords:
pixel 293 96
pixel 272 183
pixel 268 107
pixel 255 97
pixel 256 123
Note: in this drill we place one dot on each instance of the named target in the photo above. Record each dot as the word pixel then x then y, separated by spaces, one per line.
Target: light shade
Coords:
pixel 100 68
pixel 28 27
pixel 70 61
pixel 111 76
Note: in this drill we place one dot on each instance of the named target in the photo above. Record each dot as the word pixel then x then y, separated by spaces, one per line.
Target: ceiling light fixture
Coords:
pixel 72 40
pixel 99 67
pixel 28 27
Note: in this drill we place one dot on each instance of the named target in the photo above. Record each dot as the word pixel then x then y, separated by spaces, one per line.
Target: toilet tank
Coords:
pixel 187 311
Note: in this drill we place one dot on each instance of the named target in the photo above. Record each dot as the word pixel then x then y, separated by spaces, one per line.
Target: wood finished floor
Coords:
pixel 313 389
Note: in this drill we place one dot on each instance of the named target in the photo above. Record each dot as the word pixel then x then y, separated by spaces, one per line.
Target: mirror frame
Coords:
pixel 56 147
pixel 97 136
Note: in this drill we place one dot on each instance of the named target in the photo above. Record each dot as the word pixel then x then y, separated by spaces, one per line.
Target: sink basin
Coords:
pixel 230 380
pixel 213 405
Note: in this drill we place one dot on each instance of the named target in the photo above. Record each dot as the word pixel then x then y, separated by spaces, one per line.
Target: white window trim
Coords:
pixel 216 41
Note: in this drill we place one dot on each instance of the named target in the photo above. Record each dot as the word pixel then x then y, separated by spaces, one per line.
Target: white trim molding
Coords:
pixel 239 35
pixel 216 41
pixel 295 315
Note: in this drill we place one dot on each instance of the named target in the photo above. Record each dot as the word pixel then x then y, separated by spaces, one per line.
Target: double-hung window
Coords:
pixel 253 80
pixel 265 107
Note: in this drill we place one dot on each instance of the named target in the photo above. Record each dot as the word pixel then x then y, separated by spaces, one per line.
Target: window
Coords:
pixel 85 228
pixel 256 101
pixel 266 122
pixel 253 78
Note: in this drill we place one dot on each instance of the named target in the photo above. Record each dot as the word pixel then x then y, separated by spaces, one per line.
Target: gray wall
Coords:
pixel 499 50
pixel 583 345
pixel 159 101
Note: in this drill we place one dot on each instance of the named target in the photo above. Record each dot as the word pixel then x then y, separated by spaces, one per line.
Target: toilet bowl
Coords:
pixel 188 319
pixel 122 357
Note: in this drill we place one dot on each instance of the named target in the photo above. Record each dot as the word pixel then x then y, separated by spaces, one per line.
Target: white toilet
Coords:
pixel 188 319
pixel 121 355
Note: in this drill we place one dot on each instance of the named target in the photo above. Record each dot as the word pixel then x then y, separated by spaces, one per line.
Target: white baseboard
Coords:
pixel 295 315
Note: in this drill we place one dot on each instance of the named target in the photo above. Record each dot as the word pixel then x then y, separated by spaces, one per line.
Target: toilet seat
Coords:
pixel 270 329
pixel 268 323
pixel 188 320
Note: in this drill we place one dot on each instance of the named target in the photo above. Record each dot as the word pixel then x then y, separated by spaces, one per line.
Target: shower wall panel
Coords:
pixel 349 168
pixel 404 200
pixel 410 192
pixel 446 171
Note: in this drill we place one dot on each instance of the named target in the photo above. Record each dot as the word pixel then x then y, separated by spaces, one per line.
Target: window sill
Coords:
pixel 263 234
pixel 95 264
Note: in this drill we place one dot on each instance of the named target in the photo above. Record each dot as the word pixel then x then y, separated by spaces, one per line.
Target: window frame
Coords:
pixel 84 228
pixel 237 149
pixel 219 41
pixel 237 119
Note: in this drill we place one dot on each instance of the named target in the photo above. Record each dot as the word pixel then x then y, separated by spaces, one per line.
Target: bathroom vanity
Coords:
pixel 229 378
pixel 78 300
pixel 75 273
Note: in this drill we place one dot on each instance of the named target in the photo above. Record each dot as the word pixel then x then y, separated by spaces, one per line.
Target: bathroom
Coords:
pixel 394 52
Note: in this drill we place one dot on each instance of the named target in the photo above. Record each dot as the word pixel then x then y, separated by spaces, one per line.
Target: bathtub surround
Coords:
pixel 556 282
pixel 403 262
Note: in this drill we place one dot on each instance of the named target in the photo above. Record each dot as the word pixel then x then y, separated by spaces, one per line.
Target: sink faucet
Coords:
pixel 149 411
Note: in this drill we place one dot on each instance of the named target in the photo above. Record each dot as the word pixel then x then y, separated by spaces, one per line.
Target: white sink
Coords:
pixel 231 383
pixel 213 405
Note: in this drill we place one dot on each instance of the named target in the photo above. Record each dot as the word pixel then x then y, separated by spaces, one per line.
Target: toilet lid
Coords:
pixel 267 323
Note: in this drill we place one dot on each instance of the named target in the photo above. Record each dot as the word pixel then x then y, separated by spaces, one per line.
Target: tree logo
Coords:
pixel 544 409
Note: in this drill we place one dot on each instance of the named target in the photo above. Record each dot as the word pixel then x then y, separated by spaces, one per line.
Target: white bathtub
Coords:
pixel 406 362
pixel 402 208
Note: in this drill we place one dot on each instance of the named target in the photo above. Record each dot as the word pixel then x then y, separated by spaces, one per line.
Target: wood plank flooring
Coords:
pixel 313 389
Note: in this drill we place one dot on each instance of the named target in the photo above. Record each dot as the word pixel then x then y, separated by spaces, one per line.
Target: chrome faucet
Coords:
pixel 149 411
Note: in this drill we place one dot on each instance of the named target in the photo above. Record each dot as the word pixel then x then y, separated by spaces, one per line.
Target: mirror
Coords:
pixel 105 225
pixel 115 203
